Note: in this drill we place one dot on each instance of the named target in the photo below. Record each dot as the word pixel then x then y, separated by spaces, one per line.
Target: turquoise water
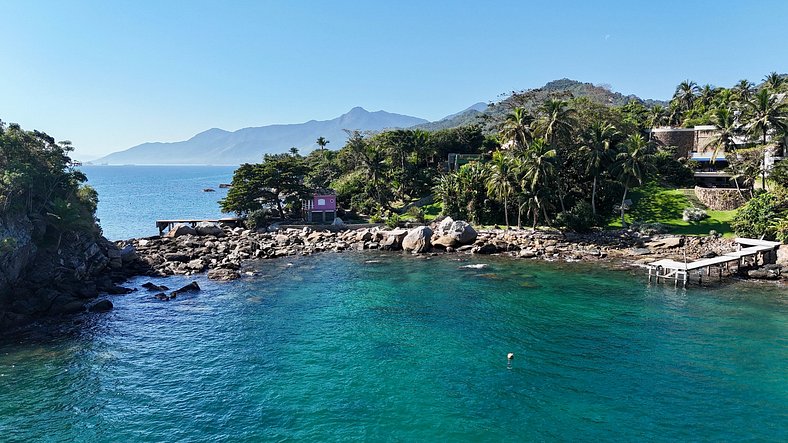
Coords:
pixel 132 198
pixel 383 347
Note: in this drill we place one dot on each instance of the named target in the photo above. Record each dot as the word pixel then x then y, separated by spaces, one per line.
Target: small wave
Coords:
pixel 476 266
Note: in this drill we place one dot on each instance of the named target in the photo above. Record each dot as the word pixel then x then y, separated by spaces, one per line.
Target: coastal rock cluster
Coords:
pixel 44 274
pixel 221 250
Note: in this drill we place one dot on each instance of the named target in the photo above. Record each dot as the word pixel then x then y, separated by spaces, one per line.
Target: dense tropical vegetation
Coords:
pixel 38 181
pixel 561 161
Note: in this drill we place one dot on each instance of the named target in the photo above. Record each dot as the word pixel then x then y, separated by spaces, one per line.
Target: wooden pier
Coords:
pixel 168 224
pixel 667 269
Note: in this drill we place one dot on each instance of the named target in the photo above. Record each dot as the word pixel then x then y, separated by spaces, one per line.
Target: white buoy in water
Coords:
pixel 510 356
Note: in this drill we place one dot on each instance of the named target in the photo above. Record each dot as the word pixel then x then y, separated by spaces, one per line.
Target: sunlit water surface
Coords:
pixel 383 347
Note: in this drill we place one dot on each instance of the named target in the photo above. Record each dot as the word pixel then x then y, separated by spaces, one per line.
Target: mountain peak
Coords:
pixel 357 110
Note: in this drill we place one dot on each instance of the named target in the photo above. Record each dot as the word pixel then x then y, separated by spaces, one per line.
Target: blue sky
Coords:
pixel 108 75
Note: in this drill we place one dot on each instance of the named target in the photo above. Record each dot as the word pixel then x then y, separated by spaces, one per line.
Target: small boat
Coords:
pixel 225 185
pixel 209 190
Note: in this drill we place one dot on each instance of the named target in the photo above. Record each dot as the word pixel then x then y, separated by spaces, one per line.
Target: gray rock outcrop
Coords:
pixel 181 229
pixel 451 233
pixel 208 228
pixel 418 240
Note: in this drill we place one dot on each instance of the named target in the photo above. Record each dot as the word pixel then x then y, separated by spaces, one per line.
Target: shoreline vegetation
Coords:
pixel 585 176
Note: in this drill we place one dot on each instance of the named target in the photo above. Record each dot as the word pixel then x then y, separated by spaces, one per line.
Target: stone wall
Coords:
pixel 719 199
pixel 683 139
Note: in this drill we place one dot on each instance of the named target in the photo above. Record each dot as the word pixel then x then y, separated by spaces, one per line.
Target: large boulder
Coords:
pixel 181 229
pixel 418 240
pixel 392 240
pixel 208 228
pixel 451 233
pixel 782 255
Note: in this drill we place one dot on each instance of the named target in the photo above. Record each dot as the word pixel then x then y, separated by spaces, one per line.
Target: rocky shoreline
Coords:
pixel 98 267
pixel 220 251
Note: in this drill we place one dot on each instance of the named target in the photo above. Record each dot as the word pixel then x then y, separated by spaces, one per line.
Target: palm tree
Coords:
pixel 499 180
pixel 675 114
pixel 773 81
pixel 517 128
pixel 766 113
pixel 685 94
pixel 556 124
pixel 538 168
pixel 656 117
pixel 597 150
pixel 557 120
pixel 632 165
pixel 727 129
pixel 744 89
pixel 322 142
pixel 707 94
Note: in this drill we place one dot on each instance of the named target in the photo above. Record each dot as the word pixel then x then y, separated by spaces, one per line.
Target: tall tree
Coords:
pixel 657 116
pixel 556 123
pixel 774 81
pixel 744 90
pixel 686 93
pixel 538 169
pixel 727 129
pixel 597 152
pixel 633 165
pixel 766 113
pixel 322 142
pixel 516 129
pixel 500 181
pixel 279 178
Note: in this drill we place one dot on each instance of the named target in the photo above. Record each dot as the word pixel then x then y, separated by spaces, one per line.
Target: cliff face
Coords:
pixel 40 277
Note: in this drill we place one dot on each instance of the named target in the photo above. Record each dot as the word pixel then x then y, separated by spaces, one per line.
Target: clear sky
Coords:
pixel 108 75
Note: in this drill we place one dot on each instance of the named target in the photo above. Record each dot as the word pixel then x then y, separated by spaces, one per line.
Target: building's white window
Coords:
pixel 321 201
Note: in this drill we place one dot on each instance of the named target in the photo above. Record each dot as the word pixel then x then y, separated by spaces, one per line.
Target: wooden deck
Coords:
pixel 168 224
pixel 667 269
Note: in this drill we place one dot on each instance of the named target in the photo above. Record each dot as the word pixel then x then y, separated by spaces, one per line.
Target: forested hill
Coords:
pixel 530 99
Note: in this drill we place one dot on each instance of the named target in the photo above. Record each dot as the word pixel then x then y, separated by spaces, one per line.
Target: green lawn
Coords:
pixel 652 203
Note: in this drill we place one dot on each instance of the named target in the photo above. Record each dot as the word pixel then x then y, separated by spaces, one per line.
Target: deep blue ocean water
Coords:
pixel 132 198
pixel 388 347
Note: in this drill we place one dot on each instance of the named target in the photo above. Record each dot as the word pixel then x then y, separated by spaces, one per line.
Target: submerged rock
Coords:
pixel 191 287
pixel 154 287
pixel 102 306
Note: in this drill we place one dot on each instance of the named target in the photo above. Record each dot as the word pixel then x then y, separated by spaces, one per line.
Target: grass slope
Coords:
pixel 652 203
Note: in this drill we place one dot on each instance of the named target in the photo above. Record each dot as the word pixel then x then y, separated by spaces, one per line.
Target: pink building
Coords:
pixel 321 209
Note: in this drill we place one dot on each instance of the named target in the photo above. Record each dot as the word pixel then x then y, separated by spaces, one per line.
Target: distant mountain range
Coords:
pixel 217 146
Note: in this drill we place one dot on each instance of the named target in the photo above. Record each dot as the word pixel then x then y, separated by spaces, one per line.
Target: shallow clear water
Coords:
pixel 372 346
pixel 132 198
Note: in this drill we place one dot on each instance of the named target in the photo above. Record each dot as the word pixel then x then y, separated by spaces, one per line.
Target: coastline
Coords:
pixel 220 252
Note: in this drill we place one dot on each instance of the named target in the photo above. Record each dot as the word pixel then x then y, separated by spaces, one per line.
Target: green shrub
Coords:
pixel 579 219
pixel 650 228
pixel 416 213
pixel 258 219
pixel 694 214
pixel 393 221
pixel 758 217
pixel 376 218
